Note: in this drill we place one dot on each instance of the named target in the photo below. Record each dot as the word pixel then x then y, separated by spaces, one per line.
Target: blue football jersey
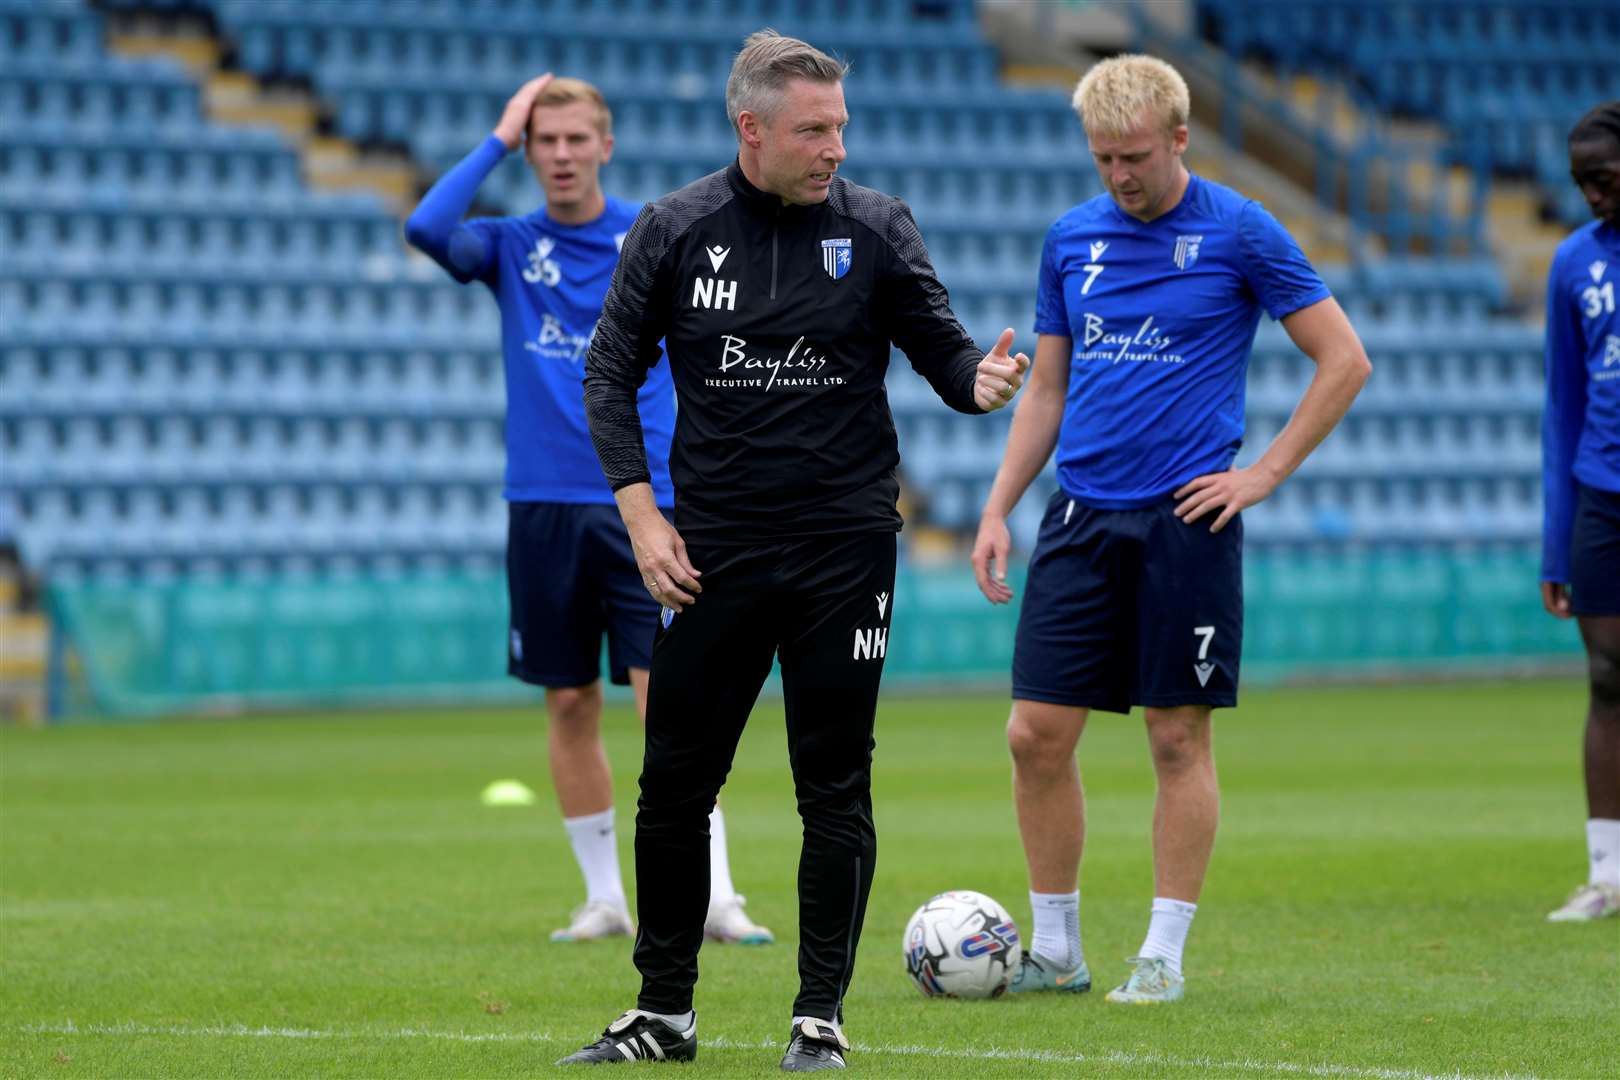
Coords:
pixel 549 280
pixel 1580 430
pixel 1162 317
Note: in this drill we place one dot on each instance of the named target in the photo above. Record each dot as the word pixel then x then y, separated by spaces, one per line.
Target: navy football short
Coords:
pixel 571 577
pixel 1130 607
pixel 1594 550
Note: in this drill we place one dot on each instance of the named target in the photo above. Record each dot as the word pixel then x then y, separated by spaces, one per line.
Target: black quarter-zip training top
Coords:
pixel 778 322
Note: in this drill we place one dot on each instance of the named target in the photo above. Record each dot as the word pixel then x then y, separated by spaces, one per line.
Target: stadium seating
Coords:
pixel 205 362
pixel 1508 76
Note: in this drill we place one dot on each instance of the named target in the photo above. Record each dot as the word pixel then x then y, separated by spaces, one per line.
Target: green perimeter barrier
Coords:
pixel 137 648
pixel 221 645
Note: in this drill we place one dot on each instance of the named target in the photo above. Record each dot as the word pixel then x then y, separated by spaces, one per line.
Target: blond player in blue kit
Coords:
pixel 1148 301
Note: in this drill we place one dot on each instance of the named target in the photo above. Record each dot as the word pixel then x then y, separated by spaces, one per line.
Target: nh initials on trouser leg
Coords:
pixel 871 643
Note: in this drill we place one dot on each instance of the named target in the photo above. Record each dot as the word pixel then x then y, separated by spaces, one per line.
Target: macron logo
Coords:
pixel 1203 671
pixel 1596 270
pixel 717 256
pixel 883 604
pixel 1097 249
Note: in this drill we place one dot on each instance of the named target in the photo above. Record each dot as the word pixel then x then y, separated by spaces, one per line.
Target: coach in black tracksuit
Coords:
pixel 777 289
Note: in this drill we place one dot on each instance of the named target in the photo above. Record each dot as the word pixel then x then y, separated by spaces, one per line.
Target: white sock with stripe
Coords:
pixel 1167 931
pixel 1057 927
pixel 596 849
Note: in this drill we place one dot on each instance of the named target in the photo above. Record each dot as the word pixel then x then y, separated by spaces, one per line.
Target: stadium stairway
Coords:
pixel 1493 84
pixel 188 36
pixel 1518 236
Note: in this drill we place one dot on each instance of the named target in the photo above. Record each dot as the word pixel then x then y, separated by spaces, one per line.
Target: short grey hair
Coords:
pixel 767 61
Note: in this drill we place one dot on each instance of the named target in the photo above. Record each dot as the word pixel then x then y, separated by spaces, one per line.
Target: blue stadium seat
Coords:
pixel 1508 76
pixel 203 355
pixel 64 30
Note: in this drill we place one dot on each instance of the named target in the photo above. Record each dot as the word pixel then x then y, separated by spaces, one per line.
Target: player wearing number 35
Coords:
pixel 571 576
pixel 1148 301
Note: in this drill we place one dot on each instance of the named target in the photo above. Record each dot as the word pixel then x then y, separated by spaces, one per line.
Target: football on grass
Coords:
pixel 962 944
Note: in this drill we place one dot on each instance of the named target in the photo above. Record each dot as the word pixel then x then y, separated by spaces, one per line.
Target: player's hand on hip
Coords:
pixel 999 375
pixel 990 551
pixel 1555 598
pixel 1229 492
pixel 515 118
pixel 661 558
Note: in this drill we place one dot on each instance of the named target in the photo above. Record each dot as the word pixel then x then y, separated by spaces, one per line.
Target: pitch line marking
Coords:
pixel 994 1053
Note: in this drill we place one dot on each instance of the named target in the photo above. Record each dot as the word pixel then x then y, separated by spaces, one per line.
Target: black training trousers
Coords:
pixel 824 605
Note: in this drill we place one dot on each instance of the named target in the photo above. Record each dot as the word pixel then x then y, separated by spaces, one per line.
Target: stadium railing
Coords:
pixel 144 646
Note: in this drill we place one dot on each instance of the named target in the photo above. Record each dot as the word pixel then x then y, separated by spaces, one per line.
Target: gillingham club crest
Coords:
pixel 836 256
pixel 1187 251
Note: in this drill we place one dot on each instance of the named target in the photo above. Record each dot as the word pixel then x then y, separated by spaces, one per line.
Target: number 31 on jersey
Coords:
pixel 1597 301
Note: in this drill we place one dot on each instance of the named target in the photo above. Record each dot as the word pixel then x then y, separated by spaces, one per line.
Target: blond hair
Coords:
pixel 1114 94
pixel 566 91
pixel 764 66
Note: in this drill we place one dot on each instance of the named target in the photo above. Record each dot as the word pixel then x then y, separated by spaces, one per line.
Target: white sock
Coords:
pixel 596 850
pixel 676 1022
pixel 1603 851
pixel 1167 931
pixel 1057 927
pixel 721 890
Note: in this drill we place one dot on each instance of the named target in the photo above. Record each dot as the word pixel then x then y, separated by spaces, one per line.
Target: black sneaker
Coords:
pixel 815 1044
pixel 635 1036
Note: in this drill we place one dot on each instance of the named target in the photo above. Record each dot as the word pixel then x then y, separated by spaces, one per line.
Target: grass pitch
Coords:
pixel 325 896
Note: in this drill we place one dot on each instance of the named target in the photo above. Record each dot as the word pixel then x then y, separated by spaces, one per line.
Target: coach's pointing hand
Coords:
pixel 660 552
pixel 515 119
pixel 999 375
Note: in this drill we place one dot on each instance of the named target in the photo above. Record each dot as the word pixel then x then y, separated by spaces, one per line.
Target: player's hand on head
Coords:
pixel 1229 492
pixel 990 550
pixel 1555 598
pixel 515 118
pixel 999 375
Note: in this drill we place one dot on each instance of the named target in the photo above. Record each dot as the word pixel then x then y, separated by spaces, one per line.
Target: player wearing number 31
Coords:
pixel 1580 562
pixel 1148 301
